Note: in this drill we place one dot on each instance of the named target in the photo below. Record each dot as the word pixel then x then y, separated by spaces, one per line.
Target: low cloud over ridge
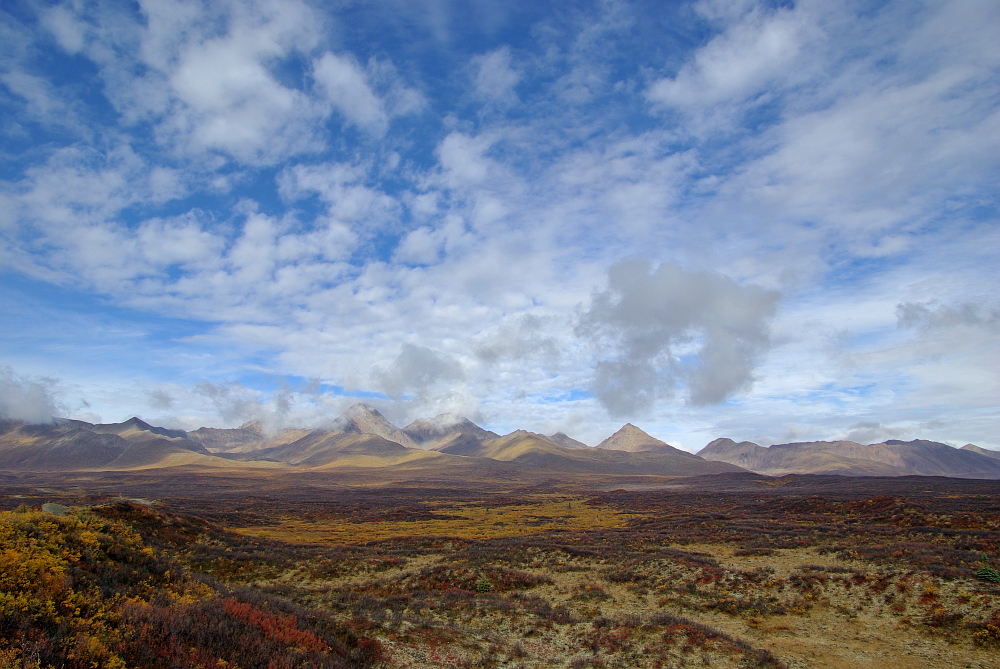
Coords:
pixel 24 399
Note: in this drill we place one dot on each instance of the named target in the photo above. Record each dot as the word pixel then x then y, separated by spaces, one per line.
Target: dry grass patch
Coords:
pixel 474 521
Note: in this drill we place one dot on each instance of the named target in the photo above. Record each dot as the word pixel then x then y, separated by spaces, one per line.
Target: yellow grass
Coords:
pixel 539 513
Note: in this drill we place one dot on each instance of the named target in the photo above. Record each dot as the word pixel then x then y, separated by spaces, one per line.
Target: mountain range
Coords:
pixel 889 458
pixel 449 446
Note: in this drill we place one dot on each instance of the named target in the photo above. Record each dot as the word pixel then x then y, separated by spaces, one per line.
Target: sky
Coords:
pixel 771 221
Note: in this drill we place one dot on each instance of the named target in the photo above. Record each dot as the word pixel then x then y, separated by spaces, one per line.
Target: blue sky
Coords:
pixel 768 221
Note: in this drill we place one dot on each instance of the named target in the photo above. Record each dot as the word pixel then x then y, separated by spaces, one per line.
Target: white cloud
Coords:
pixel 463 159
pixel 752 54
pixel 345 87
pixel 68 31
pixel 495 79
pixel 210 75
pixel 419 247
pixel 230 101
pixel 343 188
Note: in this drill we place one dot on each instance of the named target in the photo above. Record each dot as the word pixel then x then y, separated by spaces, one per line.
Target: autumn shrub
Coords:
pixel 987 633
pixel 80 591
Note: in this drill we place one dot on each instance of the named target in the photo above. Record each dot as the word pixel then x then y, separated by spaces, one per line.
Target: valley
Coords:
pixel 442 544
pixel 734 570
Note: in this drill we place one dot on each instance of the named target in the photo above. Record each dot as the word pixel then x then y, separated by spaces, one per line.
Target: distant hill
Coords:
pixel 60 446
pixel 76 445
pixel 889 458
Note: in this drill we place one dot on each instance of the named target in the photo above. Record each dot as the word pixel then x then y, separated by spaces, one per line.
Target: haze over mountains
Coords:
pixel 362 439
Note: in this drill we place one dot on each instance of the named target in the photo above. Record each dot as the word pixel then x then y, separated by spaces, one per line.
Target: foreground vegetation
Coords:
pixel 796 572
pixel 85 590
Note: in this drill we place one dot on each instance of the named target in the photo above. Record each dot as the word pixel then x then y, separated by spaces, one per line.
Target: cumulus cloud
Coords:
pixel 212 77
pixel 418 247
pixel 659 328
pixel 25 399
pixel 342 187
pixel 344 84
pixel 524 340
pixel 416 370
pixel 495 78
pixel 932 315
pixel 870 432
pixel 236 403
pixel 159 399
pixel 752 52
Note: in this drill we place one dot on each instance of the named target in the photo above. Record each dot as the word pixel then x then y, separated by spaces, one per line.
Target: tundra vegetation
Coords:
pixel 726 571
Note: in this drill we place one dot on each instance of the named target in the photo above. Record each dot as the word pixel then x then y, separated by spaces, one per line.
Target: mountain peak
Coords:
pixel 365 419
pixel 362 409
pixel 564 439
pixel 139 427
pixel 633 440
pixel 718 448
pixel 431 432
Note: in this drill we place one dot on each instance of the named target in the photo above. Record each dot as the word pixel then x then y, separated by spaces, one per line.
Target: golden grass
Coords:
pixel 538 513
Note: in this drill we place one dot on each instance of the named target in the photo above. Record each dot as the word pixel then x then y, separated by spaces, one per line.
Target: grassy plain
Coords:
pixel 736 571
pixel 472 520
